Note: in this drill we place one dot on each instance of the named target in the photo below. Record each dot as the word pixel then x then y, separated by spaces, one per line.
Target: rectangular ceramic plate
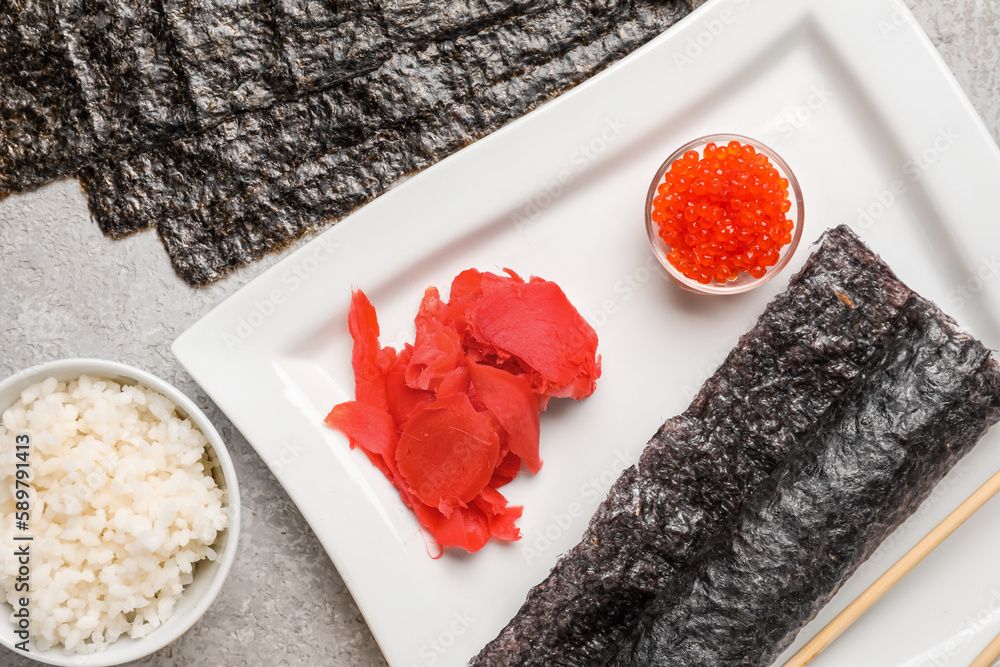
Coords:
pixel 854 97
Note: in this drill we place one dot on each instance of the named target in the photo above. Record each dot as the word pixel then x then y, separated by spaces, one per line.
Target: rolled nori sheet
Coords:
pixel 805 351
pixel 920 405
pixel 261 179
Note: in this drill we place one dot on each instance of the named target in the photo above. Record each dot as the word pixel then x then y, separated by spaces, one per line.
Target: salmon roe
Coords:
pixel 723 213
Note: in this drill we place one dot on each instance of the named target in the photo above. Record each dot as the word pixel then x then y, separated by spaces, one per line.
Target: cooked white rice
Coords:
pixel 124 505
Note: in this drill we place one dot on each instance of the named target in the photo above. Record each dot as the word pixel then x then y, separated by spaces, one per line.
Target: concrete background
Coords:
pixel 67 291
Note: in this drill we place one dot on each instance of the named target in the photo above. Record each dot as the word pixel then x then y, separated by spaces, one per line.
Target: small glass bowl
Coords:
pixel 744 281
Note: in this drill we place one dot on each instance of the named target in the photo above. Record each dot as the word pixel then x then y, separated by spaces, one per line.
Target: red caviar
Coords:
pixel 723 213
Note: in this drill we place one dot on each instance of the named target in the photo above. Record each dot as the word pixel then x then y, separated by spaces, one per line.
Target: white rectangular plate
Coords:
pixel 855 98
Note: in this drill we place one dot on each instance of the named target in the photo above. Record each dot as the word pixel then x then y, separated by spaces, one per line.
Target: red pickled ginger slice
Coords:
pixel 403 399
pixel 467 528
pixel 535 322
pixel 371 429
pixel 455 381
pixel 513 403
pixel 468 283
pixel 501 517
pixel 369 361
pixel 437 349
pixel 506 470
pixel 447 452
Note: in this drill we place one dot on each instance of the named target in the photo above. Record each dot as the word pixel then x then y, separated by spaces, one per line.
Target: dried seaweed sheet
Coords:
pixel 806 349
pixel 921 404
pixel 241 55
pixel 263 121
pixel 328 41
pixel 255 182
pixel 420 21
pixel 107 78
pixel 43 122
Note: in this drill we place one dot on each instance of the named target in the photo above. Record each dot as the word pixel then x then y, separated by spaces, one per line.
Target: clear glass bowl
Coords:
pixel 744 281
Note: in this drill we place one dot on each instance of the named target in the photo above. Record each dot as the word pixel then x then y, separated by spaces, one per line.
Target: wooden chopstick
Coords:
pixel 989 654
pixel 899 570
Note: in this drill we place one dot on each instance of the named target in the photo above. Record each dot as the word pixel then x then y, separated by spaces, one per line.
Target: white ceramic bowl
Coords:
pixel 208 575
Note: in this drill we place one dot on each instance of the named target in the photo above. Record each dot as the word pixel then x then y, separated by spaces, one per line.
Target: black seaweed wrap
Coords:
pixel 920 405
pixel 807 348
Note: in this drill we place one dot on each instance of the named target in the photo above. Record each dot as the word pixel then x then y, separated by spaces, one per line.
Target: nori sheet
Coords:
pixel 922 403
pixel 252 184
pixel 44 124
pixel 108 78
pixel 805 351
pixel 421 21
pixel 115 77
pixel 273 162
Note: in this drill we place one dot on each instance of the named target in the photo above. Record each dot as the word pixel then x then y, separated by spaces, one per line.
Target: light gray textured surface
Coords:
pixel 66 291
